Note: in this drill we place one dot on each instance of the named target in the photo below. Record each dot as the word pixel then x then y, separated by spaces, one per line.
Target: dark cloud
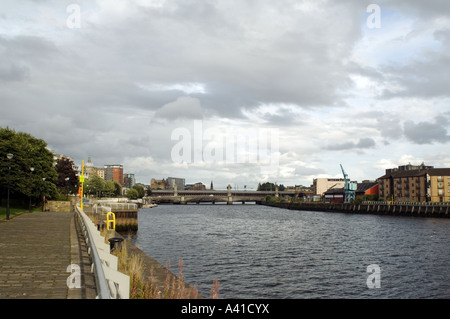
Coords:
pixel 363 143
pixel 427 132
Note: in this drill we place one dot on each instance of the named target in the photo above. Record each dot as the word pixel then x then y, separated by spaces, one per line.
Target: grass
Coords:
pixel 15 211
pixel 146 288
pixel 143 285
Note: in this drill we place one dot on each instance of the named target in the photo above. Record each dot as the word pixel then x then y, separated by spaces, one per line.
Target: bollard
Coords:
pixel 110 221
pixel 114 243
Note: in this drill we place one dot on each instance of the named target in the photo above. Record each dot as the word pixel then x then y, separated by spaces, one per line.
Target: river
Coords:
pixel 261 252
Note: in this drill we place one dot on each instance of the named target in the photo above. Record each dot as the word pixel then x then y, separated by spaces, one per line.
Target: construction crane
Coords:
pixel 349 188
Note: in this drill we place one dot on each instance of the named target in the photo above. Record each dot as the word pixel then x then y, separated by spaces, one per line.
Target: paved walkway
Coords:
pixel 35 252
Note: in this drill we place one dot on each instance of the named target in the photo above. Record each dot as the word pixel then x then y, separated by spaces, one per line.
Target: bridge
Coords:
pixel 228 196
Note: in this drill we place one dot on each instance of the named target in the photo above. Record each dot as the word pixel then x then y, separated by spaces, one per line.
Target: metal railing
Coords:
pixel 406 203
pixel 111 284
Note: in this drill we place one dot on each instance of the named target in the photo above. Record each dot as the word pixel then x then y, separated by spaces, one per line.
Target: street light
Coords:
pixel 67 187
pixel 9 156
pixel 31 187
pixel 43 195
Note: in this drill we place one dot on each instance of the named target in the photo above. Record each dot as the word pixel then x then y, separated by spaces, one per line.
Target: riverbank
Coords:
pixel 148 278
pixel 378 208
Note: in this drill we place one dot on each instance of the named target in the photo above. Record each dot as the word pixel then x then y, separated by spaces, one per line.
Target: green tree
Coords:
pixel 110 188
pixel 67 181
pixel 140 189
pixel 94 185
pixel 132 193
pixel 270 187
pixel 118 191
pixel 28 152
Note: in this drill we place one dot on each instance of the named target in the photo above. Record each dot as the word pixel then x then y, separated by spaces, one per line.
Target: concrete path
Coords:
pixel 35 251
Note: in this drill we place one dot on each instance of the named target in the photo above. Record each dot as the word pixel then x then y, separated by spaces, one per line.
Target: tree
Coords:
pixel 132 193
pixel 140 189
pixel 28 152
pixel 110 188
pixel 67 181
pixel 94 185
pixel 118 191
pixel 270 187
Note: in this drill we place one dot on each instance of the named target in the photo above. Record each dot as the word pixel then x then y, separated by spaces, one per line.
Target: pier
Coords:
pixel 379 208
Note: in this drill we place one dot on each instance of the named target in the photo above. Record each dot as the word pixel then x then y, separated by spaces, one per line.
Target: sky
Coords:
pixel 235 92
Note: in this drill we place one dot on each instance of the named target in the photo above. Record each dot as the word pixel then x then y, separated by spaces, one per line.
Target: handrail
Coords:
pixel 111 283
pixel 100 279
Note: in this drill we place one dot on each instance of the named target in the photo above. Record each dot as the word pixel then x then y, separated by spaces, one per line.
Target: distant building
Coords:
pixel 171 181
pixel 408 167
pixel 195 187
pixel 439 181
pixel 114 173
pixel 321 185
pixel 129 180
pixel 90 170
pixel 158 184
pixel 100 172
pixel 337 195
pixel 426 184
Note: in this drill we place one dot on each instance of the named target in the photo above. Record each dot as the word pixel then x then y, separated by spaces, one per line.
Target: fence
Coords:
pixel 111 284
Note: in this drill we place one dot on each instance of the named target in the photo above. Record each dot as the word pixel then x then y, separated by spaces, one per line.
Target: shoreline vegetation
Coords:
pixel 148 278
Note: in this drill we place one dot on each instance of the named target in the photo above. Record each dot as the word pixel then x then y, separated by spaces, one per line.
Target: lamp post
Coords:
pixel 9 156
pixel 31 187
pixel 43 195
pixel 67 187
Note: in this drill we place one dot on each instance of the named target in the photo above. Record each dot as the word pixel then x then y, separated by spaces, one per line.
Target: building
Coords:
pixel 439 181
pixel 114 173
pixel 158 184
pixel 408 167
pixel 195 187
pixel 172 181
pixel 321 185
pixel 129 180
pixel 404 186
pixel 100 172
pixel 426 184
pixel 90 170
pixel 337 195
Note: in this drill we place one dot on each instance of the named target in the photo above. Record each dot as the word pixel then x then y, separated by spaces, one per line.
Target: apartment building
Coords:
pixel 416 185
pixel 114 173
pixel 439 181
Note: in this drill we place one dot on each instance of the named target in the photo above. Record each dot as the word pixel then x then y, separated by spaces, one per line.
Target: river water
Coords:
pixel 261 252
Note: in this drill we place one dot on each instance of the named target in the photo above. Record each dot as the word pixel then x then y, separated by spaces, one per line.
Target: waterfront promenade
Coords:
pixel 35 251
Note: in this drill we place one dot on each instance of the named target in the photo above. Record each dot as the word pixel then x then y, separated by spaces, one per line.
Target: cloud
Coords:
pixel 116 88
pixel 184 107
pixel 427 132
pixel 363 143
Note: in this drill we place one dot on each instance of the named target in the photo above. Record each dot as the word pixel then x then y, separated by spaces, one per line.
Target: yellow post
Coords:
pixel 82 182
pixel 108 220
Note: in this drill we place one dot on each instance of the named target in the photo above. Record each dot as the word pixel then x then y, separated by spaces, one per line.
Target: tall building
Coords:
pixel 172 181
pixel 129 180
pixel 114 173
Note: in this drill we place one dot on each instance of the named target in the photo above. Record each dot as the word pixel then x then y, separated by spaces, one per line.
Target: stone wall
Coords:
pixel 59 206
